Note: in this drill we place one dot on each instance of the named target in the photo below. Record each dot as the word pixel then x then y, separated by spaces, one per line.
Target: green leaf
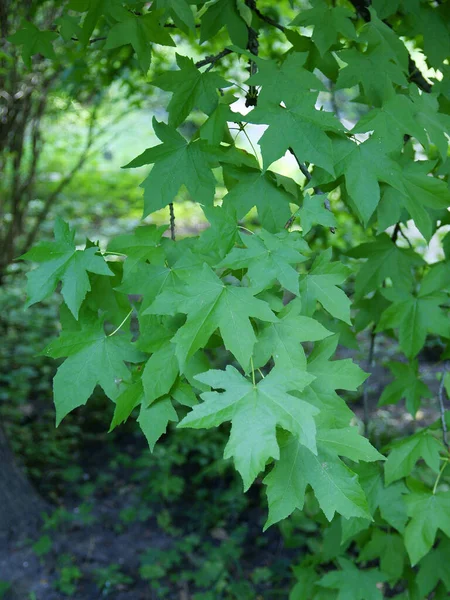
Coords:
pixel 385 259
pixel 347 442
pixel 180 11
pixel 93 359
pixel 177 163
pixel 211 305
pixel 95 10
pixel 267 258
pixel 160 373
pixel 155 418
pixel 191 89
pixel 374 70
pixel 429 512
pixel 328 22
pixel 320 284
pixel 354 583
pixel 283 82
pixel 252 187
pixel 389 549
pixel 224 13
pixel 140 32
pixel 406 385
pixel 282 340
pixel 61 261
pixel 298 126
pixel 265 405
pixel 434 568
pixel 33 41
pixel 313 212
pixel 407 452
pixel 414 317
pixel 126 402
pixel 335 485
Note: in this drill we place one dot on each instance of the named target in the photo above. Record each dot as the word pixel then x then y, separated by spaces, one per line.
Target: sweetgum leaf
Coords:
pixel 265 406
pixel 177 162
pixel 33 41
pixel 405 453
pixel 429 512
pixel 224 13
pixel 61 261
pixel 155 418
pixel 267 258
pixel 191 89
pixel 335 485
pixel 210 305
pixel 354 583
pixel 93 358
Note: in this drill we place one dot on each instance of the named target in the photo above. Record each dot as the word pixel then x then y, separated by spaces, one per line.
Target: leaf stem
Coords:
pixel 439 476
pixel 121 325
pixel 114 253
pixel 253 371
pixel 245 229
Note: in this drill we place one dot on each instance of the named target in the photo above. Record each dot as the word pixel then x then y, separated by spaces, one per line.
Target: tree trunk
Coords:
pixel 21 507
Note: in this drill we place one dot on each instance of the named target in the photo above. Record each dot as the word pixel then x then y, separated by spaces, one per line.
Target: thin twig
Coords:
pixel 442 407
pixel 395 233
pixel 172 221
pixel 366 417
pixel 211 60
pixel 267 19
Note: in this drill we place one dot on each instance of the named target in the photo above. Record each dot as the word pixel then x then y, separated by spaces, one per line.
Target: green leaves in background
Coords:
pixel 33 41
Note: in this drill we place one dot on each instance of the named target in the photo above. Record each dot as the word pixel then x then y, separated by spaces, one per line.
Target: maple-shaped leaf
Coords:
pixel 328 22
pixel 224 13
pixel 139 31
pixel 435 123
pixel 93 358
pixel 347 442
pixel 353 583
pixel 210 305
pixel 268 257
pixel 160 373
pixel 191 89
pixel 375 70
pixel 336 487
pixel 298 125
pixel 177 162
pixel 313 212
pixel 215 129
pixel 155 418
pixel 407 384
pixel 180 11
pixel 285 81
pixel 434 568
pixel 391 121
pixel 61 261
pixel 385 259
pixel 95 10
pixel 429 512
pixel 33 41
pixel 320 284
pixel 415 316
pixel 363 166
pixel 405 453
pixel 282 339
pixel 253 187
pixel 389 549
pixel 265 405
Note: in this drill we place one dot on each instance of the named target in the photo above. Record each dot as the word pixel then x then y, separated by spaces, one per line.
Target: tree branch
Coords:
pixel 172 221
pixel 211 60
pixel 366 417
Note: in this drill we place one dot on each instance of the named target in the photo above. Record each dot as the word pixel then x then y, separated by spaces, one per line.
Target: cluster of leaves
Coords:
pixel 264 299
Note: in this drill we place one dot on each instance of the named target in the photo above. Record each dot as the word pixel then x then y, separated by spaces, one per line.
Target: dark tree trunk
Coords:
pixel 21 507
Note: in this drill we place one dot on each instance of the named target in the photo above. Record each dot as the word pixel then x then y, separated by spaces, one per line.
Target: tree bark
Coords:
pixel 21 507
